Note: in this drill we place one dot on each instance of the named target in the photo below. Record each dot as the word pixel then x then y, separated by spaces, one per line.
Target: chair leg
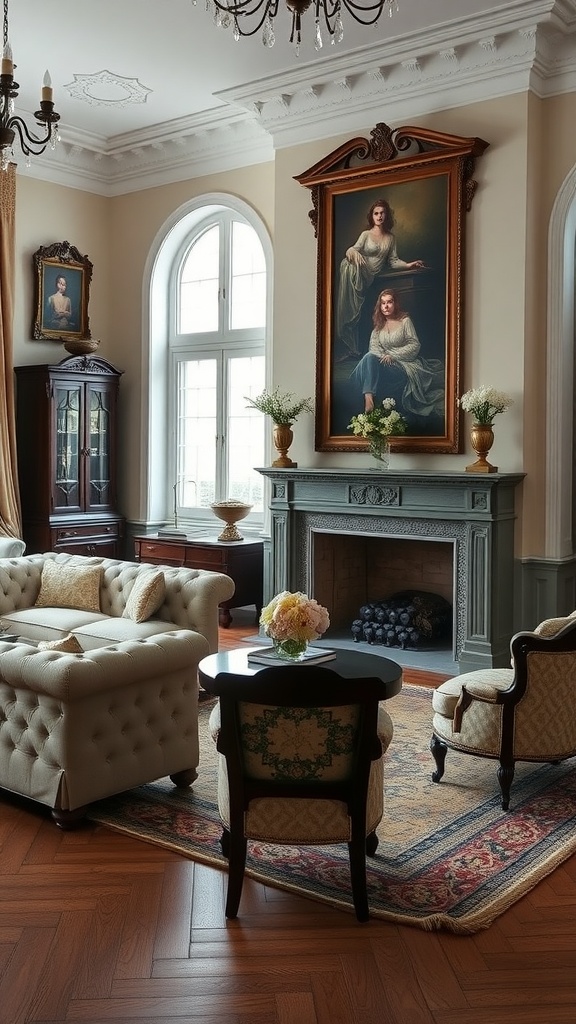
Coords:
pixel 225 842
pixel 184 778
pixel 236 864
pixel 505 777
pixel 371 844
pixel 438 749
pixel 357 854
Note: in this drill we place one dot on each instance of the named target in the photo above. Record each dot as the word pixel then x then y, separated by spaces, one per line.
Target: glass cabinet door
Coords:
pixel 98 469
pixel 66 485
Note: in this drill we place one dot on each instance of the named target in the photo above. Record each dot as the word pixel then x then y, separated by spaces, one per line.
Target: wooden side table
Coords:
pixel 242 560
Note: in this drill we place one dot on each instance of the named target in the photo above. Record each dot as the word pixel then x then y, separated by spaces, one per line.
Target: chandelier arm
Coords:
pixel 354 9
pixel 240 9
pixel 30 144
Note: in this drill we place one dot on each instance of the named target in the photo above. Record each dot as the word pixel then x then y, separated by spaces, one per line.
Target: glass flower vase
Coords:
pixel 290 650
pixel 380 452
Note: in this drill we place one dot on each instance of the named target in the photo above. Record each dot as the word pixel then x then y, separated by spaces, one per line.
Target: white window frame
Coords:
pixel 220 345
pixel 156 495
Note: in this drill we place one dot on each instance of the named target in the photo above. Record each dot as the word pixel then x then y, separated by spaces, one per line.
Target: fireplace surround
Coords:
pixel 473 513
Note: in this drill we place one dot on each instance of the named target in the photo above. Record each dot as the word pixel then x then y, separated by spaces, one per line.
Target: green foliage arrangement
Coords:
pixel 282 406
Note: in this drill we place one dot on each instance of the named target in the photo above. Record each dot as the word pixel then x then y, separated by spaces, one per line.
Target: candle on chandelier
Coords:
pixel 47 91
pixel 7 61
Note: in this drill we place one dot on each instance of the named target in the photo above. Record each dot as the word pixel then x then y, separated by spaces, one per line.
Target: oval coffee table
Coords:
pixel 348 664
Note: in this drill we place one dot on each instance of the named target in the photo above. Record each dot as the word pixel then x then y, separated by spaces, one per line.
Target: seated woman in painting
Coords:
pixel 393 367
pixel 373 253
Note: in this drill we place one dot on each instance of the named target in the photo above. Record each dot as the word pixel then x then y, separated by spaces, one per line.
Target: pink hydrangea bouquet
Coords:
pixel 292 620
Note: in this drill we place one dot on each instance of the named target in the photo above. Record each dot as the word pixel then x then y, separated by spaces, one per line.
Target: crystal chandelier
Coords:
pixel 246 17
pixel 11 125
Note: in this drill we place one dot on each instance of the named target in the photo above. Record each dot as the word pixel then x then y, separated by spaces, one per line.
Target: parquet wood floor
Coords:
pixel 97 927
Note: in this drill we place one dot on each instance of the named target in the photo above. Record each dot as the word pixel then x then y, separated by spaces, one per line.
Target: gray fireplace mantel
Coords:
pixel 476 512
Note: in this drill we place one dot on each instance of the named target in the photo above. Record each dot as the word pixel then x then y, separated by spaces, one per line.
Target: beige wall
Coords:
pixel 532 149
pixel 45 214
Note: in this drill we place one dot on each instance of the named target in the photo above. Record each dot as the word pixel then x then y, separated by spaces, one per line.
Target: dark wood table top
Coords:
pixel 348 664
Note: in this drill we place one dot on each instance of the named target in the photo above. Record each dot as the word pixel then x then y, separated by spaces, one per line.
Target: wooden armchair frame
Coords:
pixel 479 691
pixel 290 687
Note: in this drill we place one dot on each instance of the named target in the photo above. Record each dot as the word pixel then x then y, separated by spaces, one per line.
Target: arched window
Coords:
pixel 217 312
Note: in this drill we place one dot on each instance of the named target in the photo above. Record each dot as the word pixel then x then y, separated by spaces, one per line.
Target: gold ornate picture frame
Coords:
pixel 389 216
pixel 61 289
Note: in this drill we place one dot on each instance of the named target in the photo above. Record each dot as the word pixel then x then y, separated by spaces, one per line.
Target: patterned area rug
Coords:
pixel 449 857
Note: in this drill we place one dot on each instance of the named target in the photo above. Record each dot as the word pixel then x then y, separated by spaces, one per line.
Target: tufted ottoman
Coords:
pixel 75 728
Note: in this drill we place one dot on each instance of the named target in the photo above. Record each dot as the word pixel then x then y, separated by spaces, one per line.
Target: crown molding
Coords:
pixel 526 46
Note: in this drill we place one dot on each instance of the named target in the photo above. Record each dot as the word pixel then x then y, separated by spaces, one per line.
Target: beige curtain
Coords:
pixel 10 523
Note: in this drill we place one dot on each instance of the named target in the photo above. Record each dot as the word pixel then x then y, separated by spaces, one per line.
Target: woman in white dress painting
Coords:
pixel 393 367
pixel 374 253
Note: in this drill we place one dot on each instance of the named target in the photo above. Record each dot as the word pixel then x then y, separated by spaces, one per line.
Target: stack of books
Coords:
pixel 268 656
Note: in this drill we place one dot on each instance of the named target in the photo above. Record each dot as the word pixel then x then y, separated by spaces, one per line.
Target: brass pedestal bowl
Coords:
pixel 231 512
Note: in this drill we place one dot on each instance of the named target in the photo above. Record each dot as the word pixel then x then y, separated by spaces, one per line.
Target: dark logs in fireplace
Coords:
pixel 407 619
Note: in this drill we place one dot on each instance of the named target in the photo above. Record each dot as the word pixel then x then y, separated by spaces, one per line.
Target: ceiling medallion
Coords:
pixel 246 17
pixel 105 89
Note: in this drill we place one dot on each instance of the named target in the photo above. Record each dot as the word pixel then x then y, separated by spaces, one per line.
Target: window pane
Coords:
pixel 196 441
pixel 245 431
pixel 248 306
pixel 198 307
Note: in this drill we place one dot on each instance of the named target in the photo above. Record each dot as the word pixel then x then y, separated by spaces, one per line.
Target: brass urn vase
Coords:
pixel 283 438
pixel 482 438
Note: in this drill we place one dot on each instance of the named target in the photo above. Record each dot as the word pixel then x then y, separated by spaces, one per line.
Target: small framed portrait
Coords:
pixel 62 284
pixel 389 215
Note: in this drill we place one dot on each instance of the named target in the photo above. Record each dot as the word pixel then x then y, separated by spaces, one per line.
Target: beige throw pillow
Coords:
pixel 146 596
pixel 69 644
pixel 70 586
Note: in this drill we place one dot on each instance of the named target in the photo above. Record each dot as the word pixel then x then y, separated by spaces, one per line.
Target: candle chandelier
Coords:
pixel 246 17
pixel 11 125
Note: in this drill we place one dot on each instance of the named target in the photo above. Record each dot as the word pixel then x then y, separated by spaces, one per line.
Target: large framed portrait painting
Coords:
pixel 62 284
pixel 389 215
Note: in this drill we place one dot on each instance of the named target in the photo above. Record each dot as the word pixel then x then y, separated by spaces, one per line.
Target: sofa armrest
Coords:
pixel 192 599
pixel 71 677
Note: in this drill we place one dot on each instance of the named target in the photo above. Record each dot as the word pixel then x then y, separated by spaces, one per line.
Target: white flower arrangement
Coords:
pixel 382 422
pixel 485 403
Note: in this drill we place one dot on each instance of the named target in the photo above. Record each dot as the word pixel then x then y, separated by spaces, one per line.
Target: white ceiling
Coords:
pixel 206 97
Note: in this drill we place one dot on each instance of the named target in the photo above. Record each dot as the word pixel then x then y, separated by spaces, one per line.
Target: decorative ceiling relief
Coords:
pixel 105 89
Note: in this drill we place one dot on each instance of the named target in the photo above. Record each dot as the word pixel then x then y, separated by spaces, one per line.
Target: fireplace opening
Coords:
pixel 350 572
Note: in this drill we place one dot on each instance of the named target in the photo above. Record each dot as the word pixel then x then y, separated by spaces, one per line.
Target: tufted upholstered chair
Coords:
pixel 301 763
pixel 11 547
pixel 523 713
pixel 75 728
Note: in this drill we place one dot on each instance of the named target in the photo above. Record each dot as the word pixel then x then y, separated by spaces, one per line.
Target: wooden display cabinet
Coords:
pixel 66 439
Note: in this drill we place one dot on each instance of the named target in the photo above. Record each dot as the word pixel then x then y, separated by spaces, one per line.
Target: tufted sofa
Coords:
pixel 78 727
pixel 191 601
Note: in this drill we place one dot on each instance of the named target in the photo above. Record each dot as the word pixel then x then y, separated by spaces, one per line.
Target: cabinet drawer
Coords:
pixel 78 533
pixel 100 548
pixel 206 558
pixel 169 554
